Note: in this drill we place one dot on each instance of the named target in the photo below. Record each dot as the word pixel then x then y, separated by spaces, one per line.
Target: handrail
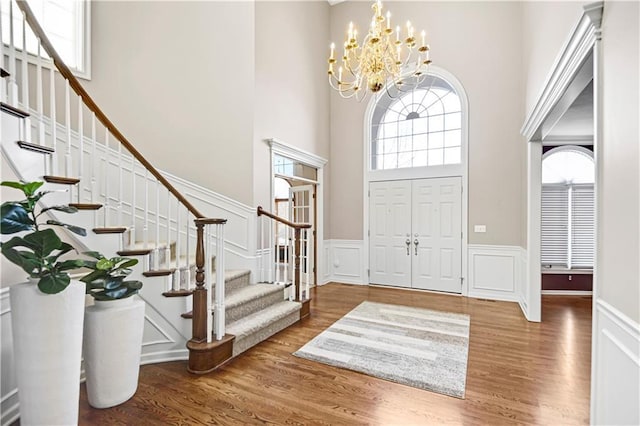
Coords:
pixel 89 102
pixel 261 212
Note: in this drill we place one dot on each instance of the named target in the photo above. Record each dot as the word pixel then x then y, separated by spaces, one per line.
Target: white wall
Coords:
pixel 480 44
pixel 545 27
pixel 177 78
pixel 291 97
pixel 619 188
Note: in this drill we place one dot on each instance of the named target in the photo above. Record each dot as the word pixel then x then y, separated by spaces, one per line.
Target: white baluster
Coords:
pixel 40 104
pixel 133 201
pixel 67 120
pixel 25 81
pixel 105 177
pixel 145 226
pixel 277 256
pixel 13 84
pixel 158 224
pixel 167 257
pixel 178 244
pixel 188 254
pixel 94 167
pixel 81 146
pixel 120 184
pixel 307 254
pixel 220 290
pixel 287 251
pixel 52 113
pixel 261 257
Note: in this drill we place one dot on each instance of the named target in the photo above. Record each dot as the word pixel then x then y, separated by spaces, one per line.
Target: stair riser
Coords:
pixel 236 283
pixel 252 306
pixel 253 339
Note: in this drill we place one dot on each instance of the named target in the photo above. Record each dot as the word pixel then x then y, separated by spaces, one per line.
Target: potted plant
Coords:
pixel 47 310
pixel 113 331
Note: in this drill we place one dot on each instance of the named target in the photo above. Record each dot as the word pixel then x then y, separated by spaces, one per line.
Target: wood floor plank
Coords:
pixel 518 373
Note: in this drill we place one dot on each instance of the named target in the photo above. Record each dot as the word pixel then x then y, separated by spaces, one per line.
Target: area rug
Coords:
pixel 418 347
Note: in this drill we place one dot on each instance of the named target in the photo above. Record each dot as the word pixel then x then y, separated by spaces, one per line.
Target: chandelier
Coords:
pixel 381 61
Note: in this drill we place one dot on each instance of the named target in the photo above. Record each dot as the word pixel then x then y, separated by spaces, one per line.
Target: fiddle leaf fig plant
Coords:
pixel 106 281
pixel 39 251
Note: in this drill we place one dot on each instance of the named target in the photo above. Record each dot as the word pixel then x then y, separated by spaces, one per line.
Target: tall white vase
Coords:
pixel 112 346
pixel 47 345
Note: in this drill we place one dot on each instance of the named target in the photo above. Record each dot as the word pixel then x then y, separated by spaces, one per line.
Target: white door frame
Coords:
pixel 461 170
pixel 312 160
pixel 583 41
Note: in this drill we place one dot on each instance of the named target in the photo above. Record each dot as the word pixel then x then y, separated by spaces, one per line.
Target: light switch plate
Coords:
pixel 480 228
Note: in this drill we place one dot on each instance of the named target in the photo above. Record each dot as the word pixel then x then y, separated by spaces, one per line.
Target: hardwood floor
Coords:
pixel 518 372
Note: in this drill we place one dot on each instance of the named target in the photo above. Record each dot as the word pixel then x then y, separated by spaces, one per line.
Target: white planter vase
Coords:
pixel 112 345
pixel 47 345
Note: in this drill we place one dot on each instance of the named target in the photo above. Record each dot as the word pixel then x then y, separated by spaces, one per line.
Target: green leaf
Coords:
pixel 24 259
pixel 30 188
pixel 64 248
pixel 113 283
pixel 67 265
pixel 15 219
pixel 104 264
pixel 94 276
pixel 10 184
pixel 75 229
pixel 54 283
pixel 64 209
pixel 43 242
pixel 128 263
pixel 134 285
pixel 94 254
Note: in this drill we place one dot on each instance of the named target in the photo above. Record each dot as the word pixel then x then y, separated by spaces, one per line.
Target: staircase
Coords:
pixel 132 209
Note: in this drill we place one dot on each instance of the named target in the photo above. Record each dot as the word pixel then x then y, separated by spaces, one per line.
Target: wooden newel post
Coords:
pixel 296 263
pixel 199 322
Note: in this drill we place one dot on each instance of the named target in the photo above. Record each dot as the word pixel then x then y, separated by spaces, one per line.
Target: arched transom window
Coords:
pixel 422 127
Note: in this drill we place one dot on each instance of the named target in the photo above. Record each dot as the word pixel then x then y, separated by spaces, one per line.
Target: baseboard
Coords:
pixel 616 367
pixel 164 356
pixel 566 293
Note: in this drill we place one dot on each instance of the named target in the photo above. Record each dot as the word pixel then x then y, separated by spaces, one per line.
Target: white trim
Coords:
pixel 295 153
pixel 461 169
pixel 280 148
pixel 572 56
pixel 566 293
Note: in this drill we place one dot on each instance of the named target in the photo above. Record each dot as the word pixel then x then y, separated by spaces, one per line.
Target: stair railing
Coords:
pixel 120 183
pixel 284 266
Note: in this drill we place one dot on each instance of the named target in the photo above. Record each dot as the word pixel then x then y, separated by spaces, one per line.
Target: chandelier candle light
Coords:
pixel 381 59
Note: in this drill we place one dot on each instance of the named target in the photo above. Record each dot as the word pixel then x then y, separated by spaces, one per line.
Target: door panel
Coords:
pixel 390 225
pixel 437 228
pixel 302 211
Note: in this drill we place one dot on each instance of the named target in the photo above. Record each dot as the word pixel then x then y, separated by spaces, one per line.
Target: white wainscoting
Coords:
pixel 522 291
pixel 344 262
pixel 616 370
pixel 10 409
pixel 495 272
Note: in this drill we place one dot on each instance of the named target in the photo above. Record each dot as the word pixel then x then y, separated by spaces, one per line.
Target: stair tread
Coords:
pixel 158 272
pixel 134 252
pixel 110 230
pixel 86 206
pixel 35 147
pixel 249 293
pixel 261 319
pixel 63 180
pixel 13 110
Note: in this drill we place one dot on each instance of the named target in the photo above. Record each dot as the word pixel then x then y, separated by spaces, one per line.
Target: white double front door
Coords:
pixel 416 233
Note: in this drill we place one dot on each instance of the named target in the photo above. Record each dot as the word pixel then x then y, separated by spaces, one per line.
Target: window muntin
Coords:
pixel 420 128
pixel 66 23
pixel 568 225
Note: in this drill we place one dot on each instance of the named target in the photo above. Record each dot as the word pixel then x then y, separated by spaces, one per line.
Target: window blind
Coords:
pixel 554 248
pixel 582 226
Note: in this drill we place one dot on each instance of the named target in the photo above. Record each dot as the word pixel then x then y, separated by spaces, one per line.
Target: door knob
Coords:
pixel 408 243
pixel 416 242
